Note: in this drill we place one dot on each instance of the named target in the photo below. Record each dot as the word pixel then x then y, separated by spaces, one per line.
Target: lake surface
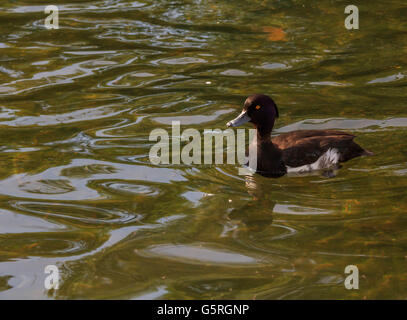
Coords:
pixel 77 189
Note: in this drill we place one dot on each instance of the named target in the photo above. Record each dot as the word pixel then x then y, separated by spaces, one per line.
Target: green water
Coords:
pixel 77 189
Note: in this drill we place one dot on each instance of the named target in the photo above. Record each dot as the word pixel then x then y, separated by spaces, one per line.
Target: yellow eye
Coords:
pixel 258 107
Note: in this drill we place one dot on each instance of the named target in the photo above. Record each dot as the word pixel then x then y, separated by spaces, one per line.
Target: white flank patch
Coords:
pixel 327 160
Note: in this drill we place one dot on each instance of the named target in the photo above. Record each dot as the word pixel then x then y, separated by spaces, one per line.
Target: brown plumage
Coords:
pixel 302 150
pixel 306 146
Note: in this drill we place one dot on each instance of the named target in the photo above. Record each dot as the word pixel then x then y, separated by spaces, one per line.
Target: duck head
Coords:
pixel 260 110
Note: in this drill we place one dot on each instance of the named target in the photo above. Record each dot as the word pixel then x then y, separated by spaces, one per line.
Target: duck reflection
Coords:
pixel 256 214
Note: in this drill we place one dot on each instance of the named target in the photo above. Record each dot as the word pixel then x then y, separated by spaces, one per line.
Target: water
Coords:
pixel 77 189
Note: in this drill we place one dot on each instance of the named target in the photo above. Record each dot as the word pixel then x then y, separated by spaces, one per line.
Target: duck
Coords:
pixel 300 151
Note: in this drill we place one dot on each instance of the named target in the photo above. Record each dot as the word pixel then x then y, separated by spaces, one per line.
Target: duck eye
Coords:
pixel 258 107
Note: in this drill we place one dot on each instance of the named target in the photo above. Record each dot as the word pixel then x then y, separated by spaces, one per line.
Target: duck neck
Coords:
pixel 269 155
pixel 264 133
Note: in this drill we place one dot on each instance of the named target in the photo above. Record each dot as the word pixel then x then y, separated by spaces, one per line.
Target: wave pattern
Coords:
pixel 77 190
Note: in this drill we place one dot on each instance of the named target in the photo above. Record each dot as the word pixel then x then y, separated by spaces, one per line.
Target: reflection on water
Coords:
pixel 77 106
pixel 200 254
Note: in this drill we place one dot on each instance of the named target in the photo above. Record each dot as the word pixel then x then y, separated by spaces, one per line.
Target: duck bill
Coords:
pixel 239 120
